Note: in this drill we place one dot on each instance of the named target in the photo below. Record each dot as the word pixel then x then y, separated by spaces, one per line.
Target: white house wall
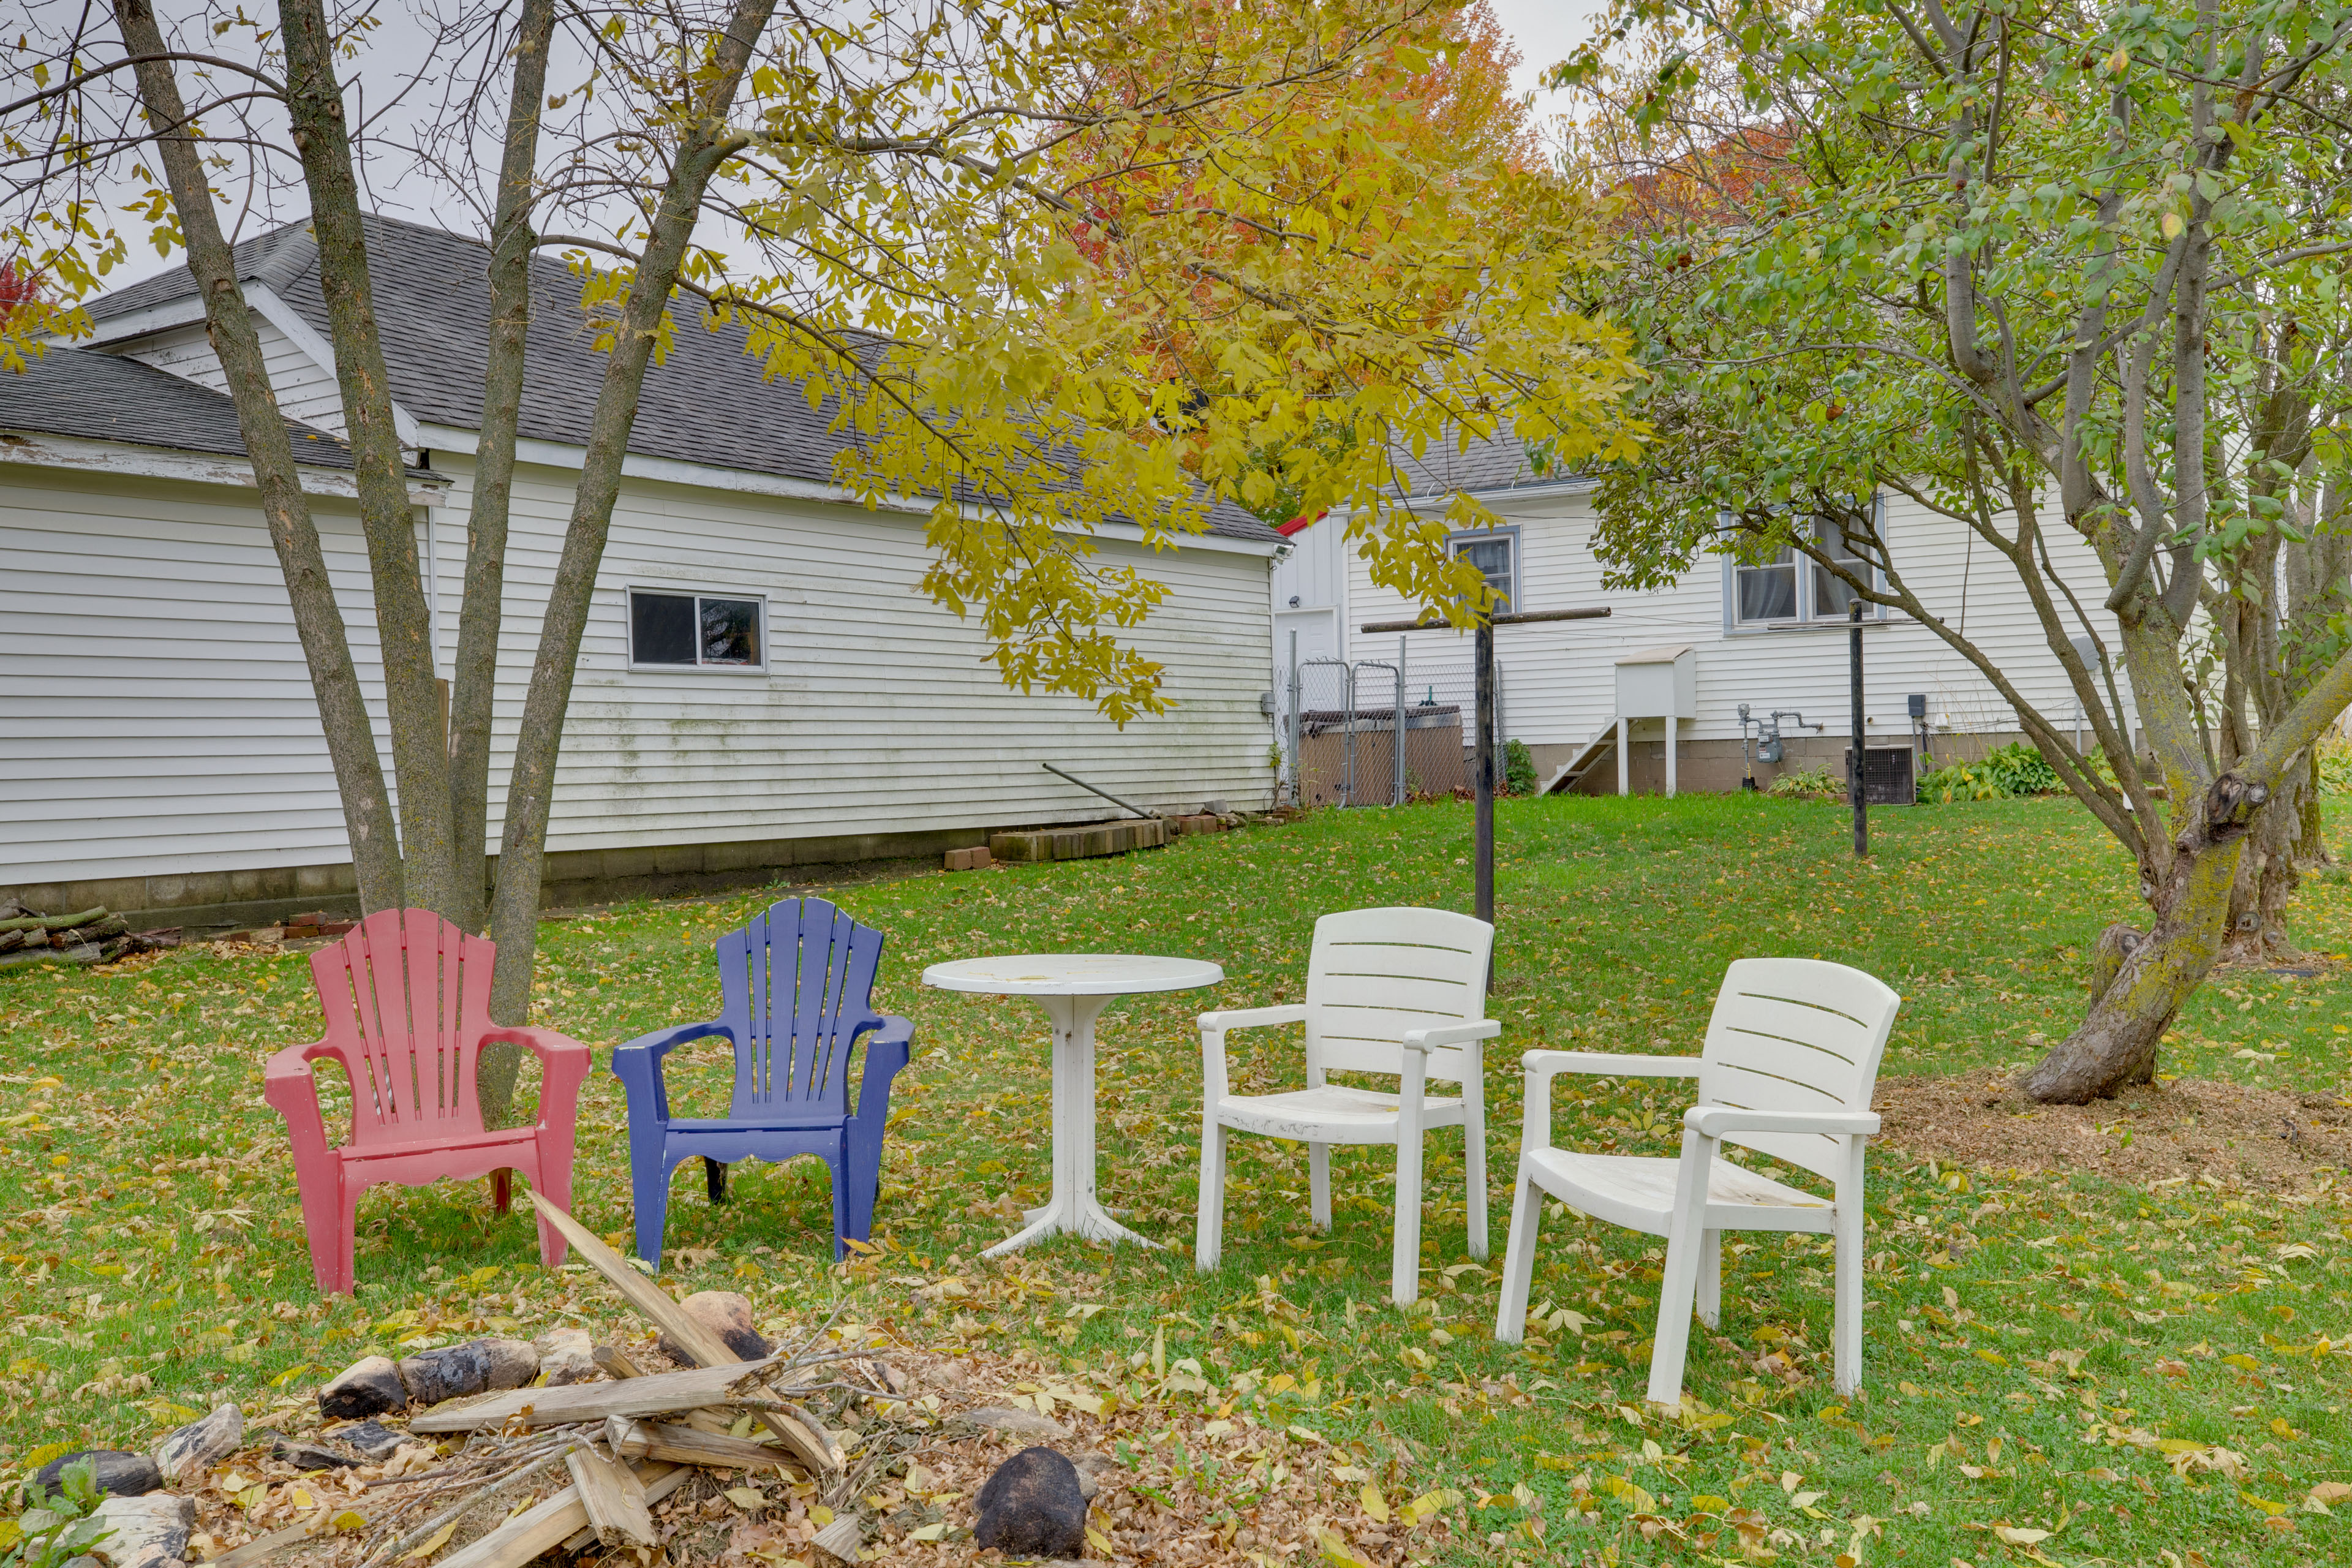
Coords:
pixel 156 717
pixel 1559 678
pixel 155 712
pixel 878 712
pixel 306 389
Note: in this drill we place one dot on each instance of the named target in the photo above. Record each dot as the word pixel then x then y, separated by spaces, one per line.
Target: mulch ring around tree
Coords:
pixel 2189 1127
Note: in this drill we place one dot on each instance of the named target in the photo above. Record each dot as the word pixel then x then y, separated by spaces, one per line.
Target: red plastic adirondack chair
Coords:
pixel 407 999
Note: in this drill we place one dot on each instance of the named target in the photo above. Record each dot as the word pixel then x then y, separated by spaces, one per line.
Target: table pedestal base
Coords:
pixel 1072 1207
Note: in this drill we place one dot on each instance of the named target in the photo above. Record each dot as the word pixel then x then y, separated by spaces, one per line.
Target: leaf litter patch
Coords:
pixel 2188 1129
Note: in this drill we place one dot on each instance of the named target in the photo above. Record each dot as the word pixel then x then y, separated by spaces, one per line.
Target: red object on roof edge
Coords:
pixel 1297 525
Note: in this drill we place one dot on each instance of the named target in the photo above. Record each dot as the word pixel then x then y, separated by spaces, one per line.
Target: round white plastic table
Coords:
pixel 1073 987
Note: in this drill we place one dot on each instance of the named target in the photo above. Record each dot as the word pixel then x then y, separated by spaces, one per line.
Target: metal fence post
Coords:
pixel 1859 783
pixel 1297 797
pixel 1483 812
pixel 1348 734
pixel 1396 794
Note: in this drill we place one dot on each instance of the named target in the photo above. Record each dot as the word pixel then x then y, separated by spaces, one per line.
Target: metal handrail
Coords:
pixel 1147 816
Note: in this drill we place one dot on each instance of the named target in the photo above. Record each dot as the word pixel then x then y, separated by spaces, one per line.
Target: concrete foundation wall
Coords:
pixel 573 878
pixel 1714 766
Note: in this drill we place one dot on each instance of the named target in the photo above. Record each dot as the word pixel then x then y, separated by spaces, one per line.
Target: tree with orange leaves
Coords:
pixel 1422 129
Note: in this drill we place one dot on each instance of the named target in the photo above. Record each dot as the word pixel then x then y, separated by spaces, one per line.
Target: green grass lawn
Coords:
pixel 2042 1356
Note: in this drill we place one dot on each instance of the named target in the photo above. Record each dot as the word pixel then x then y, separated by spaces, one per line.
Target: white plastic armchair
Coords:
pixel 1791 1057
pixel 1388 991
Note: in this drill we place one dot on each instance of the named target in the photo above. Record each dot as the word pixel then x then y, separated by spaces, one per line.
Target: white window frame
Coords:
pixel 1807 617
pixel 1508 532
pixel 671 591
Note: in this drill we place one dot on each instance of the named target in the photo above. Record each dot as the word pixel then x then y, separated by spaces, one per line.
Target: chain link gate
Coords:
pixel 1374 734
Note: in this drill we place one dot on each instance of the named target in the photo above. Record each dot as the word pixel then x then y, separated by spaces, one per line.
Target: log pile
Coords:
pixel 494 1453
pixel 628 1442
pixel 92 936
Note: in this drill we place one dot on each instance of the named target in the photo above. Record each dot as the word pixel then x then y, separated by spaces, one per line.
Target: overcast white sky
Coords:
pixel 1546 31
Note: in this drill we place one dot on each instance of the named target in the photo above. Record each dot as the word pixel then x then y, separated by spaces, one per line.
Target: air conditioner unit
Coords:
pixel 1887 777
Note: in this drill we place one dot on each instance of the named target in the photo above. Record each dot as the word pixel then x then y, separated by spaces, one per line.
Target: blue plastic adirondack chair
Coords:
pixel 797 985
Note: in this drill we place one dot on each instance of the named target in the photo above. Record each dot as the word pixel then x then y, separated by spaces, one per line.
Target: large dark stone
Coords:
pixel 726 1313
pixel 200 1445
pixel 370 1440
pixel 477 1366
pixel 304 1455
pixel 369 1386
pixel 124 1474
pixel 1033 1506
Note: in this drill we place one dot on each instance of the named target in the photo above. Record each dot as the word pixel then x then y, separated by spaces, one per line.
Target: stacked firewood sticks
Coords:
pixel 630 1442
pixel 93 935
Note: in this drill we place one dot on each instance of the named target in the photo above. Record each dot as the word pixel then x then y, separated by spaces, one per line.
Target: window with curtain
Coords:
pixel 1496 557
pixel 1788 588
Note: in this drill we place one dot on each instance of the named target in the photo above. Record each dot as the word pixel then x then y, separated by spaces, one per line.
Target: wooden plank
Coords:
pixel 841 1539
pixel 613 1362
pixel 682 1326
pixel 614 1497
pixel 679 1444
pixel 551 1523
pixel 663 1393
pixel 659 1479
pixel 808 1446
pixel 262 1548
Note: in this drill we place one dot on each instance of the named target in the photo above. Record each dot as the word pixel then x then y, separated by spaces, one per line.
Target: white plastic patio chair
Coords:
pixel 1791 1056
pixel 1388 991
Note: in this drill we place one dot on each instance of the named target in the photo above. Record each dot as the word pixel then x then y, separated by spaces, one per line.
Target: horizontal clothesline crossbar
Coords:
pixel 1531 618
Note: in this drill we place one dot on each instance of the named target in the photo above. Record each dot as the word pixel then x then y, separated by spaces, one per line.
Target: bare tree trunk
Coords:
pixel 705 142
pixel 2267 877
pixel 2312 841
pixel 473 690
pixel 318 620
pixel 2318 590
pixel 474 678
pixel 2116 1044
pixel 404 621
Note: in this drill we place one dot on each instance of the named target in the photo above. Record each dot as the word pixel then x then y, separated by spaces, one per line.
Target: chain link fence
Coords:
pixel 1380 731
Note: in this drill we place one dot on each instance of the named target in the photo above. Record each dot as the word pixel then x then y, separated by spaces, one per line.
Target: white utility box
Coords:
pixel 1656 683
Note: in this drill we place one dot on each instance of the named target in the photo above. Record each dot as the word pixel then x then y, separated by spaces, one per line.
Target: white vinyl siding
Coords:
pixel 156 715
pixel 878 712
pixel 1558 678
pixel 306 389
pixel 155 712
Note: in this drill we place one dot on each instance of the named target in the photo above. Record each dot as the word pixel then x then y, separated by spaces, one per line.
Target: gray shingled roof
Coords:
pixel 102 397
pixel 707 401
pixel 1484 468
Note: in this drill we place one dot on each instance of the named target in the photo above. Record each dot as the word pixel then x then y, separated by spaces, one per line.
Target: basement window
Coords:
pixel 673 630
